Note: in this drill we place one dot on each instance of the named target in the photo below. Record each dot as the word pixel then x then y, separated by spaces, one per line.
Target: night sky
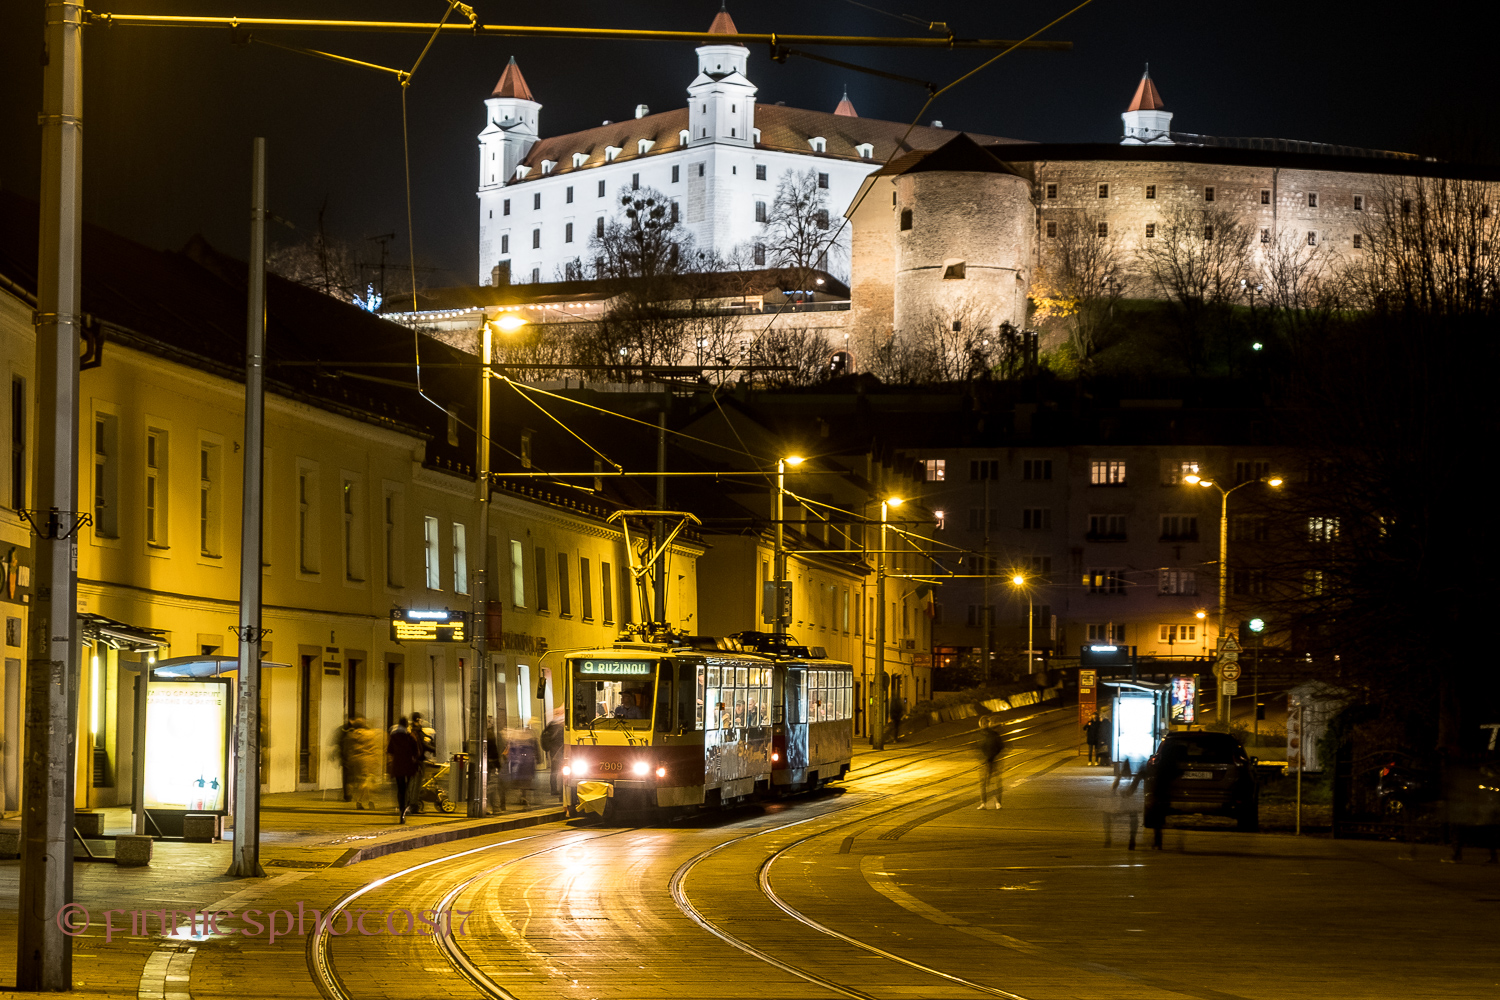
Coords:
pixel 169 113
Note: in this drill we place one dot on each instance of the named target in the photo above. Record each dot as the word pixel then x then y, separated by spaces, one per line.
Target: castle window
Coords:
pixel 958 326
pixel 1405 206
pixel 536 201
pixel 760 171
pixel 536 239
pixel 1052 230
pixel 568 233
pixel 547 166
pixel 823 181
pixel 1358 241
pixel 818 144
pixel 700 170
pixel 601 189
pixel 734 133
pixel 866 151
pixel 635 182
pixel 505 207
pixel 1312 238
pixel 760 254
pixel 1265 236
pixel 1103 229
pixel 906 218
pixel 676 212
pixel 953 270
pixel 610 152
pixel 536 275
pixel 579 159
pixel 599 226
pixel 675 174
pixel 644 146
pixel 1208 194
pixel 492 213
pixel 505 244
pixel 822 218
pixel 1208 234
pixel 1104 190
pixel 1150 192
pixel 1150 230
pixel 1312 200
pixel 1052 191
pixel 734 109
pixel 1359 204
pixel 570 195
pixel 760 211
pixel 1265 196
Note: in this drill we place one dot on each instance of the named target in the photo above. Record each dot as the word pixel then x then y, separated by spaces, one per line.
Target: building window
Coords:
pixel 1249 582
pixel 599 226
pixel 392 540
pixel 1208 194
pixel 635 182
pixel 210 499
pixel 1208 234
pixel 980 614
pixel 536 239
pixel 1052 230
pixel 1103 229
pixel 676 173
pixel 676 212
pixel 954 272
pixel 1106 528
pixel 1359 203
pixel 627 581
pixel 1105 581
pixel 1040 569
pixel 906 218
pixel 536 201
pixel 517 575
pixel 1036 518
pixel 430 555
pixel 985 469
pixel 934 470
pixel 1322 529
pixel 1104 190
pixel 977 519
pixel 1052 192
pixel 1358 242
pixel 1312 200
pixel 1150 192
pixel 821 217
pixel 505 243
pixel 1249 528
pixel 1265 196
pixel 760 171
pixel 1171 634
pixel 1036 468
pixel 461 558
pixel 1108 632
pixel 1265 235
pixel 18 458
pixel 823 181
pixel 1313 583
pixel 1245 472
pixel 107 476
pixel 564 588
pixel 1312 238
pixel 760 254
pixel 536 275
pixel 354 545
pixel 601 189
pixel 606 594
pixel 760 211
pixel 541 579
pixel 1177 582
pixel 156 492
pixel 700 169
pixel 585 589
pixel 568 233
pixel 505 207
pixel 1173 471
pixel 1179 528
pixel 1107 472
pixel 1150 230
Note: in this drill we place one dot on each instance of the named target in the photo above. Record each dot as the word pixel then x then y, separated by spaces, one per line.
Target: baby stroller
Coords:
pixel 434 782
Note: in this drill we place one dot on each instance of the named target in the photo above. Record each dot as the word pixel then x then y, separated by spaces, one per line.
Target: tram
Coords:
pixel 667 722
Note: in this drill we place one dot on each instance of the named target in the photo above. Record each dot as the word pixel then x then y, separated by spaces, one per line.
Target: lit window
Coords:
pixel 1150 192
pixel 1108 472
pixel 1105 581
pixel 1208 194
pixel 1052 192
pixel 934 470
pixel 1150 230
pixel 1178 633
pixel 1051 230
pixel 1177 582
pixel 430 553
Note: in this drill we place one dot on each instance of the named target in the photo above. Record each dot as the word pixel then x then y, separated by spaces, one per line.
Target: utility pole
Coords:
pixel 877 727
pixel 986 618
pixel 245 861
pixel 44 954
pixel 478 746
pixel 662 561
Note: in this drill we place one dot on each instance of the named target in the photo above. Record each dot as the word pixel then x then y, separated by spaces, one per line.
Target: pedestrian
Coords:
pixel 361 753
pixel 337 754
pixel 1122 802
pixel 426 738
pixel 494 762
pixel 1092 734
pixel 1161 776
pixel 521 753
pixel 404 758
pixel 552 743
pixel 898 711
pixel 991 747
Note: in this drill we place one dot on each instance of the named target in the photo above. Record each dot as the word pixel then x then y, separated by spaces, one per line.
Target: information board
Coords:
pixel 614 668
pixel 187 745
pixel 420 625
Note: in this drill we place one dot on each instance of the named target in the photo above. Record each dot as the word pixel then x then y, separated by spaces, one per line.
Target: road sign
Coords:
pixel 1230 671
pixel 1231 687
pixel 1088 679
pixel 1229 644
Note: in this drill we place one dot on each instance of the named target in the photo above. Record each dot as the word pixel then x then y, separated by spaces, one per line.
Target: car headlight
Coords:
pixel 641 767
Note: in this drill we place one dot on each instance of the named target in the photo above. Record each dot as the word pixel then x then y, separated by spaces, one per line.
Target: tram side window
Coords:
pixel 689 714
pixel 713 698
pixel 664 698
pixel 796 696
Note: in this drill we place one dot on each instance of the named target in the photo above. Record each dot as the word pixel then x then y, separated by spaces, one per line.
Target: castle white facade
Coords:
pixel 718 158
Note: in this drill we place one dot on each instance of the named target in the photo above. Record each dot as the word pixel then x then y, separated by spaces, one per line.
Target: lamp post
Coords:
pixel 778 625
pixel 1197 480
pixel 880 682
pixel 1020 581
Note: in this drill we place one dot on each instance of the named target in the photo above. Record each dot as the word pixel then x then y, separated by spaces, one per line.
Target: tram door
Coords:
pixel 796 717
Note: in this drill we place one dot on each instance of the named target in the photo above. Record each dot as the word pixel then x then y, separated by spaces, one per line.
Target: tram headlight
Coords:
pixel 567 770
pixel 641 767
pixel 581 766
pixel 661 772
pixel 775 757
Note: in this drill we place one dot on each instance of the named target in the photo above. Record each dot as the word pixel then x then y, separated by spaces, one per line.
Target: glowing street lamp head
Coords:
pixel 1018 580
pixel 1192 479
pixel 1200 615
pixel 793 460
pixel 1274 481
pixel 894 501
pixel 509 323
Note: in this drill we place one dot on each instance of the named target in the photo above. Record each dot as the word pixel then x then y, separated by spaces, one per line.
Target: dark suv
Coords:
pixel 1206 773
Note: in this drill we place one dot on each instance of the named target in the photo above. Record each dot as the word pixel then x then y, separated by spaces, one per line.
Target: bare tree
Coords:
pixel 799 230
pixel 956 344
pixel 1196 262
pixel 1300 285
pixel 805 350
pixel 1081 277
pixel 325 264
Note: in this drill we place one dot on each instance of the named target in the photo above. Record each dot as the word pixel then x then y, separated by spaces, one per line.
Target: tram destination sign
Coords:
pixel 615 668
pixel 428 625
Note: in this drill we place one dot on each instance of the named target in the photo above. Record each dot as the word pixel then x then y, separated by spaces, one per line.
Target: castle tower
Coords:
pixel 721 99
pixel 1147 122
pixel 510 128
pixel 846 107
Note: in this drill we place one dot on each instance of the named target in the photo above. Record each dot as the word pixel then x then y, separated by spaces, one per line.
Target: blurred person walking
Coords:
pixel 991 747
pixel 552 743
pixel 1122 802
pixel 404 757
pixel 361 754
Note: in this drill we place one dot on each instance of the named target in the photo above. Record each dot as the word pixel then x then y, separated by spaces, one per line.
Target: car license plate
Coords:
pixel 1199 775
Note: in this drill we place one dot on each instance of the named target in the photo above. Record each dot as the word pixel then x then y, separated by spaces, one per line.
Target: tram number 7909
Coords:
pixel 611 765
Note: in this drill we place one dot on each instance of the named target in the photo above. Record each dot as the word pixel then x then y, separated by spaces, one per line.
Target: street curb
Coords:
pixel 355 855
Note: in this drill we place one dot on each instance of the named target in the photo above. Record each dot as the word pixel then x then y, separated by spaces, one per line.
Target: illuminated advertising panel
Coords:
pixel 187 745
pixel 429 625
pixel 614 668
pixel 1184 695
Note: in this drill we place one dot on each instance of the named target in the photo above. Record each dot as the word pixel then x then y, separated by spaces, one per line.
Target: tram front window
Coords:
pixel 613 692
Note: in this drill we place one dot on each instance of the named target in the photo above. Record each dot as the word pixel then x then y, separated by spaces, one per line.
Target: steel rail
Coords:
pixel 111 19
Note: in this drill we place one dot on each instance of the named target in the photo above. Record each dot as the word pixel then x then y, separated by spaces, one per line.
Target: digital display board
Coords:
pixel 423 625
pixel 1184 695
pixel 615 668
pixel 187 745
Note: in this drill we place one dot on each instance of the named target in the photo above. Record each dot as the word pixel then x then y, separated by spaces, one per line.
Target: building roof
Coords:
pixel 781 128
pixel 512 83
pixel 1310 157
pixel 960 154
pixel 846 107
pixel 723 24
pixel 1146 96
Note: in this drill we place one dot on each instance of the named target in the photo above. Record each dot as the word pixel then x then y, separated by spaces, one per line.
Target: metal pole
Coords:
pixel 661 504
pixel 44 954
pixel 478 745
pixel 138 748
pixel 882 691
pixel 778 560
pixel 1030 632
pixel 986 619
pixel 1301 760
pixel 1223 597
pixel 245 860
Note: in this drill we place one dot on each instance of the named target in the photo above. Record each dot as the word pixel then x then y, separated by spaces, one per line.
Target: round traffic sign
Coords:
pixel 1230 671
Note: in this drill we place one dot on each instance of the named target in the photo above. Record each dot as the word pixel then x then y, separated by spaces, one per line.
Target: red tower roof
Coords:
pixel 723 24
pixel 512 83
pixel 846 107
pixel 1146 96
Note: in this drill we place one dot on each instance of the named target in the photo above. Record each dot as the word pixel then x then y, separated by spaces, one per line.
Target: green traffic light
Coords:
pixel 1257 625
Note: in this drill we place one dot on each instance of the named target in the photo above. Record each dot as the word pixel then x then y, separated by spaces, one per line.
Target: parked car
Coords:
pixel 1204 773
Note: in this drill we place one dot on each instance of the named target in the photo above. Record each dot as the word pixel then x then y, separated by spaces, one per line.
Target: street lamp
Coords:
pixel 1020 581
pixel 1196 480
pixel 878 730
pixel 509 323
pixel 779 559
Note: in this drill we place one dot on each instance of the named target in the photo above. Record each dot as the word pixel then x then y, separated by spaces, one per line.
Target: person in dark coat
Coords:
pixel 494 760
pixel 552 743
pixel 898 712
pixel 404 755
pixel 1162 772
pixel 521 752
pixel 991 746
pixel 1093 735
pixel 1122 802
